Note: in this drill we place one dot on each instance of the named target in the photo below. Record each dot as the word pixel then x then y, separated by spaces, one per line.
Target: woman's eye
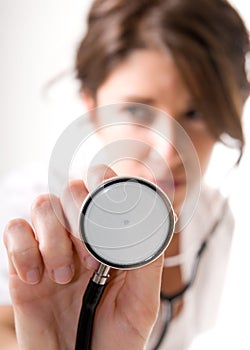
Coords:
pixel 193 114
pixel 140 114
pixel 193 119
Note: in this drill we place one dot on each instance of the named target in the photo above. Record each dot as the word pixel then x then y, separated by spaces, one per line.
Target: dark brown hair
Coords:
pixel 207 39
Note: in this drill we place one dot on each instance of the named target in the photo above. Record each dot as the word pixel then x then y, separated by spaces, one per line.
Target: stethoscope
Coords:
pixel 125 223
pixel 123 207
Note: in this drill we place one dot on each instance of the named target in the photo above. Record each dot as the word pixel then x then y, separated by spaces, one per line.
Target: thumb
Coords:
pixel 142 292
pixel 146 281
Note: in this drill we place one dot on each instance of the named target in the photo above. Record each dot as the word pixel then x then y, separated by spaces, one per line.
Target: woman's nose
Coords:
pixel 163 142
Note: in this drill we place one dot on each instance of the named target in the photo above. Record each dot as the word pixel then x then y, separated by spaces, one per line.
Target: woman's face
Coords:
pixel 151 78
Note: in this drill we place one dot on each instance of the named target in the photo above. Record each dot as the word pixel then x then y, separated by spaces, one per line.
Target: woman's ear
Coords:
pixel 88 99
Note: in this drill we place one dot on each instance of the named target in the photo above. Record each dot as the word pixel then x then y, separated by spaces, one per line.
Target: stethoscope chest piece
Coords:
pixel 126 222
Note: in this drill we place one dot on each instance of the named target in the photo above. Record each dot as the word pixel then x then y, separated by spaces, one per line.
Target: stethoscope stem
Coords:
pixel 101 275
pixel 91 299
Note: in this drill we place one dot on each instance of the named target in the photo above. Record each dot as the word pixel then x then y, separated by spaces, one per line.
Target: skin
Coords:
pixel 49 268
pixel 157 83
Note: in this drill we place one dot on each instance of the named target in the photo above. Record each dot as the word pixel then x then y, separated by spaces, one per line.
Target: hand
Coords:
pixel 49 272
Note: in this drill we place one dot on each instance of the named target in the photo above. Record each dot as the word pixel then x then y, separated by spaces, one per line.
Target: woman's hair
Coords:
pixel 207 39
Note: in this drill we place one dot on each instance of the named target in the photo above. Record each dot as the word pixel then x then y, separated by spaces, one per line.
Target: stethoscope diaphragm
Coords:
pixel 126 222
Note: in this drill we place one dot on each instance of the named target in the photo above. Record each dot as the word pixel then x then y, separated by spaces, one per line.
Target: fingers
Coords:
pixel 72 200
pixel 23 252
pixel 75 193
pixel 49 246
pixel 54 243
pixel 46 248
pixel 98 174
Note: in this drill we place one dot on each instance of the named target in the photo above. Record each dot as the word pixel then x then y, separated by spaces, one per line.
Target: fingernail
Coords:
pixel 33 276
pixel 63 275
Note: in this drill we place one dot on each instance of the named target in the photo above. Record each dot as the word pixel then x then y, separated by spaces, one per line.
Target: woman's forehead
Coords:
pixel 146 76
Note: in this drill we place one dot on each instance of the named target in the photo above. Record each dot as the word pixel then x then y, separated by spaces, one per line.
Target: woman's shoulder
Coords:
pixel 213 213
pixel 213 204
pixel 210 195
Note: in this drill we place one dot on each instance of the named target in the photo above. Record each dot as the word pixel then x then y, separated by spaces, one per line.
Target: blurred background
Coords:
pixel 37 44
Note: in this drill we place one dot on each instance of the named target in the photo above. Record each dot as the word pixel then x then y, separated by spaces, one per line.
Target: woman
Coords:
pixel 186 59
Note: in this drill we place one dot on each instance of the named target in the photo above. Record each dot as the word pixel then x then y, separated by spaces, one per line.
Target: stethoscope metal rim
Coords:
pixel 103 186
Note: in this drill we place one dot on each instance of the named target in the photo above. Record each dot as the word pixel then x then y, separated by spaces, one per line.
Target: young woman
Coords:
pixel 186 59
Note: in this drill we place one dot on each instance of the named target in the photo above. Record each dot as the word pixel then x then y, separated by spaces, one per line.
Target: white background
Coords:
pixel 37 43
